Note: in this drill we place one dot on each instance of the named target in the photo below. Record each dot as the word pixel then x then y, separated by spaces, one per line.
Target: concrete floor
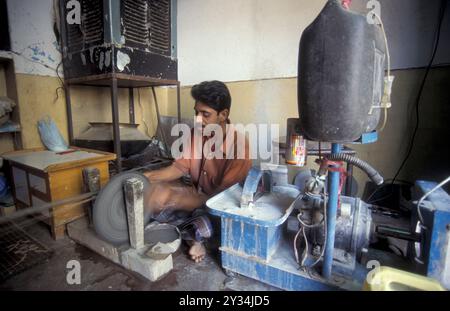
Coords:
pixel 100 274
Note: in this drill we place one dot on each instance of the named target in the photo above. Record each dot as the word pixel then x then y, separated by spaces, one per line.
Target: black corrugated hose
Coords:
pixel 369 170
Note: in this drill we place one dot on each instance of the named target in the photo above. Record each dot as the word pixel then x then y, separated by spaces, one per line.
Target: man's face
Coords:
pixel 206 115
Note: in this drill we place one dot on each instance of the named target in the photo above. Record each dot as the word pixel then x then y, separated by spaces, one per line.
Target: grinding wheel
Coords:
pixel 109 213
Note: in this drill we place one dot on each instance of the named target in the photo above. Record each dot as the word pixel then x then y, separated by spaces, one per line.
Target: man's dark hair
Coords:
pixel 215 94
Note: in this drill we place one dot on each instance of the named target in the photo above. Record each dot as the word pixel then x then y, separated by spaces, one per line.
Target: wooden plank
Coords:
pixel 65 214
pixel 58 232
pixel 23 151
pixel 80 163
pixel 63 181
pixel 68 183
pixel 46 161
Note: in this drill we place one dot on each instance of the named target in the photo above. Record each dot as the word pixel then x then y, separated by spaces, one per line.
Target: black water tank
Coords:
pixel 340 75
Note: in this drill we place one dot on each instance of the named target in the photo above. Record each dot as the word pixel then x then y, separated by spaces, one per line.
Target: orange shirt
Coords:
pixel 211 176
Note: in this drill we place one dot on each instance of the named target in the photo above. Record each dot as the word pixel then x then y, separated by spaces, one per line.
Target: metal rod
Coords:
pixel 178 102
pixel 131 105
pixel 116 127
pixel 39 209
pixel 399 233
pixel 69 113
pixel 349 181
pixel 333 192
pixel 63 27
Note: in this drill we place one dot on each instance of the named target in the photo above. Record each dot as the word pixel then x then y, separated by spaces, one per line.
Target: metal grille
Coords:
pixel 147 22
pixel 135 20
pixel 159 16
pixel 18 250
pixel 91 29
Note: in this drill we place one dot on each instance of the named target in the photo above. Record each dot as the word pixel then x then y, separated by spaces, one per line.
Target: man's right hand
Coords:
pixel 166 174
pixel 158 197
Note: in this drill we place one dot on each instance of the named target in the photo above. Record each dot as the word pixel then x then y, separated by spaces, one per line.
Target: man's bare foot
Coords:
pixel 197 251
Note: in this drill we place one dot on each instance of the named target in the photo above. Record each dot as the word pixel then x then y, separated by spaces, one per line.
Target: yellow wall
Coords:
pixel 271 101
pixel 37 98
pixel 275 100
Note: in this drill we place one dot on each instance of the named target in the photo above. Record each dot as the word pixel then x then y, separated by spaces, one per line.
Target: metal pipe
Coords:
pixel 178 102
pixel 398 233
pixel 333 192
pixel 349 181
pixel 366 167
pixel 82 198
pixel 116 126
pixel 131 105
pixel 69 113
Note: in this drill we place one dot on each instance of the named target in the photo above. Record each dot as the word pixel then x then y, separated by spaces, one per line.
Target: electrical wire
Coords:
pixel 57 94
pixel 57 73
pixel 422 85
pixel 306 250
pixel 325 202
pixel 387 183
pixel 295 245
pixel 426 195
pixel 62 87
pixel 306 225
pixel 31 60
pixel 302 230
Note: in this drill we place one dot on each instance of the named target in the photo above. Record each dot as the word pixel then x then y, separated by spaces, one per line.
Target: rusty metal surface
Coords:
pixel 90 32
pixel 123 80
pixel 137 31
pixel 18 251
pixel 132 49
pixel 147 24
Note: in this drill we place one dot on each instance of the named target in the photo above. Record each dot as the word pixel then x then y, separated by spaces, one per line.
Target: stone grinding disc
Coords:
pixel 109 212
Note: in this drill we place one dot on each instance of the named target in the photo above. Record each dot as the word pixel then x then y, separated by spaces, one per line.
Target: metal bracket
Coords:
pixel 256 184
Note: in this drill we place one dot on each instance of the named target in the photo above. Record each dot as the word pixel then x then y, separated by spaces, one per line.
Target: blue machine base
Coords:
pixel 254 242
pixel 281 271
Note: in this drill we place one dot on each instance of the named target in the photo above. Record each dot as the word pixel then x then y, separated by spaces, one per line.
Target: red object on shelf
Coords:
pixel 66 152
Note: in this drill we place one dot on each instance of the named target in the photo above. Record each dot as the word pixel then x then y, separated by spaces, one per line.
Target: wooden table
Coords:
pixel 41 176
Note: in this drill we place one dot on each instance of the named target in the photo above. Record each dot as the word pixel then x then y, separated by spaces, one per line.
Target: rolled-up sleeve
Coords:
pixel 236 172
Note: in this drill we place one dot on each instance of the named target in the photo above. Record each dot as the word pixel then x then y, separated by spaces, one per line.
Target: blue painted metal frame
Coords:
pixel 254 221
pixel 249 192
pixel 256 248
pixel 249 239
pixel 250 236
pixel 271 274
pixel 437 220
pixel 331 217
pixel 367 138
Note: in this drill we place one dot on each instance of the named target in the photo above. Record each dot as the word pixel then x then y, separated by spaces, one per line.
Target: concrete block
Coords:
pixel 134 197
pixel 80 232
pixel 150 268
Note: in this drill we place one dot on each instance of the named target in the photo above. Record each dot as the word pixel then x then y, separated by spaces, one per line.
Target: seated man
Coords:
pixel 183 205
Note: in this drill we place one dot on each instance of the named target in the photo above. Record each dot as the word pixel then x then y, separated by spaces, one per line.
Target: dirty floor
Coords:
pixel 100 274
